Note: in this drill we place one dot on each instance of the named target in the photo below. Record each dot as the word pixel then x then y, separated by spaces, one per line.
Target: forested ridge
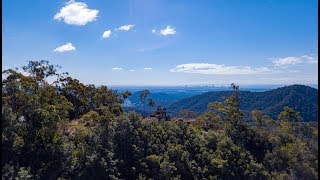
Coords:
pixel 301 98
pixel 63 129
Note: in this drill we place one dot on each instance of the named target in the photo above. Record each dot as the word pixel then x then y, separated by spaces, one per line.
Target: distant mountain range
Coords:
pixel 167 95
pixel 160 98
pixel 301 98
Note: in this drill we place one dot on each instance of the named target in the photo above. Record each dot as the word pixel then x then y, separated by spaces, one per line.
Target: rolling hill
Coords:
pixel 161 98
pixel 301 98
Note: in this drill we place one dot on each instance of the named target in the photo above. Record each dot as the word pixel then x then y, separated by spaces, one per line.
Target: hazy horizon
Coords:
pixel 207 85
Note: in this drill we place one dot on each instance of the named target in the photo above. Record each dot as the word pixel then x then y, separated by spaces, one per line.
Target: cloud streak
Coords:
pixel 117 68
pixel 65 48
pixel 76 13
pixel 287 61
pixel 310 59
pixel 126 27
pixel 218 69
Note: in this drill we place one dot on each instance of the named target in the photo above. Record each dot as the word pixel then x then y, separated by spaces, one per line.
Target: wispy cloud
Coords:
pixel 310 59
pixel 117 68
pixel 153 31
pixel 125 27
pixel 106 34
pixel 147 68
pixel 131 70
pixel 168 31
pixel 76 13
pixel 286 61
pixel 64 48
pixel 295 71
pixel 218 69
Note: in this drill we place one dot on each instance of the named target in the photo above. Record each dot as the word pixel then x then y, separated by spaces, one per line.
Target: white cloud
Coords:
pixel 106 34
pixel 218 69
pixel 76 13
pixel 117 68
pixel 153 31
pixel 147 68
pixel 168 31
pixel 131 70
pixel 64 48
pixel 310 59
pixel 126 27
pixel 287 61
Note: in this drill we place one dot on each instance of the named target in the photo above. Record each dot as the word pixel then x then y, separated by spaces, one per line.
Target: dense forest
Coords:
pixel 301 98
pixel 55 127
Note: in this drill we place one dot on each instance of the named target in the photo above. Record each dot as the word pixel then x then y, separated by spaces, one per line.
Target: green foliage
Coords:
pixel 161 113
pixel 68 130
pixel 151 103
pixel 303 99
pixel 260 118
pixel 126 94
pixel 288 114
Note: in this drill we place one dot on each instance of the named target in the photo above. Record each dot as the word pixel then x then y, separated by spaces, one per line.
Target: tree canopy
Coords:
pixel 65 129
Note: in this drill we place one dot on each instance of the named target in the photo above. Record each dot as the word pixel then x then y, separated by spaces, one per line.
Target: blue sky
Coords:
pixel 166 42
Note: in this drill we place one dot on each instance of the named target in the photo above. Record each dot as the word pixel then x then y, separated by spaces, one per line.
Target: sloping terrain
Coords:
pixel 303 99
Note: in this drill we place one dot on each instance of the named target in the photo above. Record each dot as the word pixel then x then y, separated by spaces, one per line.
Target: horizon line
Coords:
pixel 208 85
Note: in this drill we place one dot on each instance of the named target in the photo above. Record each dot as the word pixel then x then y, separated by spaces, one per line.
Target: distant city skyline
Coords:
pixel 166 43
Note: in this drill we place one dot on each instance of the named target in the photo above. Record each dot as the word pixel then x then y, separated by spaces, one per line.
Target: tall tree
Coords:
pixel 126 94
pixel 288 115
pixel 151 102
pixel 143 97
